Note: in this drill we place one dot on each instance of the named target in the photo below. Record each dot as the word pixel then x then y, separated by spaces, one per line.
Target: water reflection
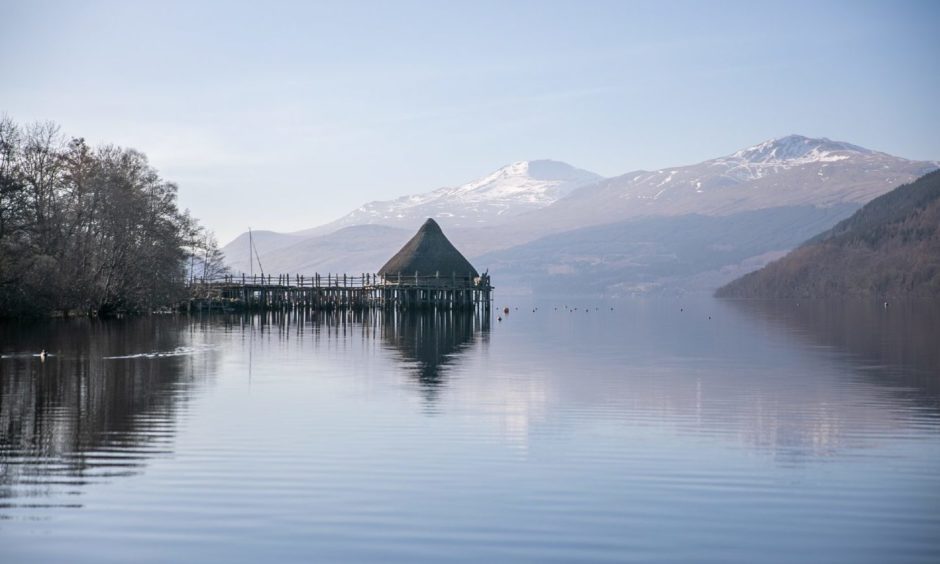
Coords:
pixel 797 386
pixel 429 341
pixel 98 407
pixel 689 431
pixel 110 395
pixel 893 345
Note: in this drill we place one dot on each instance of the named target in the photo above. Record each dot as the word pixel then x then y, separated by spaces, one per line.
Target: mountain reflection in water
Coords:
pixel 893 344
pixel 692 430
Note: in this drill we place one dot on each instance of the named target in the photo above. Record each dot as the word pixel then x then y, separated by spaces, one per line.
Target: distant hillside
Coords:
pixel 545 226
pixel 890 247
pixel 362 248
pixel 238 257
pixel 660 255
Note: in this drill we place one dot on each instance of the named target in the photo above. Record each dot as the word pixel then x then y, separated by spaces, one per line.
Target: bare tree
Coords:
pixel 89 229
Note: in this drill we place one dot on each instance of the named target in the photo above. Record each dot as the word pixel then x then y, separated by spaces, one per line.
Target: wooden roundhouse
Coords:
pixel 430 272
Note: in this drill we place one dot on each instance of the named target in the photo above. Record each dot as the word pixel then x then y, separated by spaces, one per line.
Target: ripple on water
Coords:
pixel 645 435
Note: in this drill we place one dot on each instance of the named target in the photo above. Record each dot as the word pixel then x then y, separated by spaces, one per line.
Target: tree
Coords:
pixel 95 230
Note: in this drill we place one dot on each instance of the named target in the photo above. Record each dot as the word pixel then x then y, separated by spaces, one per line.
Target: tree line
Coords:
pixel 91 230
pixel 888 248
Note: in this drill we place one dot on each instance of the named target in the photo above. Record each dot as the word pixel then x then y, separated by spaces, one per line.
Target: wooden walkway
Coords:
pixel 339 291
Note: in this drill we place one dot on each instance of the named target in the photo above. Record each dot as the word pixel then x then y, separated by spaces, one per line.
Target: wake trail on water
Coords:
pixel 178 351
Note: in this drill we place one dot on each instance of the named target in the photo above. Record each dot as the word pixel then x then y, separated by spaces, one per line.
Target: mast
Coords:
pixel 253 257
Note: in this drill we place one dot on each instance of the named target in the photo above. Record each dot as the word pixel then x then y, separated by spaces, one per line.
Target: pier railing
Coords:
pixel 362 280
pixel 274 291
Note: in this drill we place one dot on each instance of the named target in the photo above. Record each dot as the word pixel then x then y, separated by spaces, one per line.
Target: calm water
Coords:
pixel 768 433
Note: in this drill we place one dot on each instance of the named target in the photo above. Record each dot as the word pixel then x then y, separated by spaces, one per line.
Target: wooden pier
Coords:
pixel 340 291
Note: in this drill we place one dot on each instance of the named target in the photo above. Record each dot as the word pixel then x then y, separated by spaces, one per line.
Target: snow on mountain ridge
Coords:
pixel 520 180
pixel 514 188
pixel 791 170
pixel 783 153
pixel 797 148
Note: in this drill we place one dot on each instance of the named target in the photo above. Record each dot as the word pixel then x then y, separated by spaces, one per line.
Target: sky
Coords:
pixel 287 115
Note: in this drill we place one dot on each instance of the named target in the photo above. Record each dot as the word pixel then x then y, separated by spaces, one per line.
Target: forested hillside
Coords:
pixel 89 230
pixel 890 247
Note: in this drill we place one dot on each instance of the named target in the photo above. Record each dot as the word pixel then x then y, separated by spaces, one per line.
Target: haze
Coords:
pixel 287 115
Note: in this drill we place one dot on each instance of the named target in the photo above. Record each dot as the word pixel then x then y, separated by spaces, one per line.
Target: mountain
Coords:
pixel 532 223
pixel 352 250
pixel 503 194
pixel 513 189
pixel 239 258
pixel 890 247
pixel 657 255
pixel 789 171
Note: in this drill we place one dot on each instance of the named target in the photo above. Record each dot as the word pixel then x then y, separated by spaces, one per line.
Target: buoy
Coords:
pixel 506 310
pixel 42 355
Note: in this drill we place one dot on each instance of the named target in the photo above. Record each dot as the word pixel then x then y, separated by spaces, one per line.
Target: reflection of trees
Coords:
pixel 737 376
pixel 894 346
pixel 430 340
pixel 79 415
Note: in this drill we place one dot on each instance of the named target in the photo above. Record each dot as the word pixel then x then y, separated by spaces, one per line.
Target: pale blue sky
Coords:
pixel 287 115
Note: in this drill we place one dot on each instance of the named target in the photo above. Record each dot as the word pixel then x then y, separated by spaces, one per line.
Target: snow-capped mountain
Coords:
pixel 796 149
pixel 786 152
pixel 545 222
pixel 788 171
pixel 513 189
pixel 505 193
pixel 695 227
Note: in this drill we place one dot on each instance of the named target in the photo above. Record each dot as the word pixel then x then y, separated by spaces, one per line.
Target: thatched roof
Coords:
pixel 428 253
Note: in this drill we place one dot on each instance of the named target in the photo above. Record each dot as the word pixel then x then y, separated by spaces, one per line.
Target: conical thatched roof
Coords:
pixel 428 253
